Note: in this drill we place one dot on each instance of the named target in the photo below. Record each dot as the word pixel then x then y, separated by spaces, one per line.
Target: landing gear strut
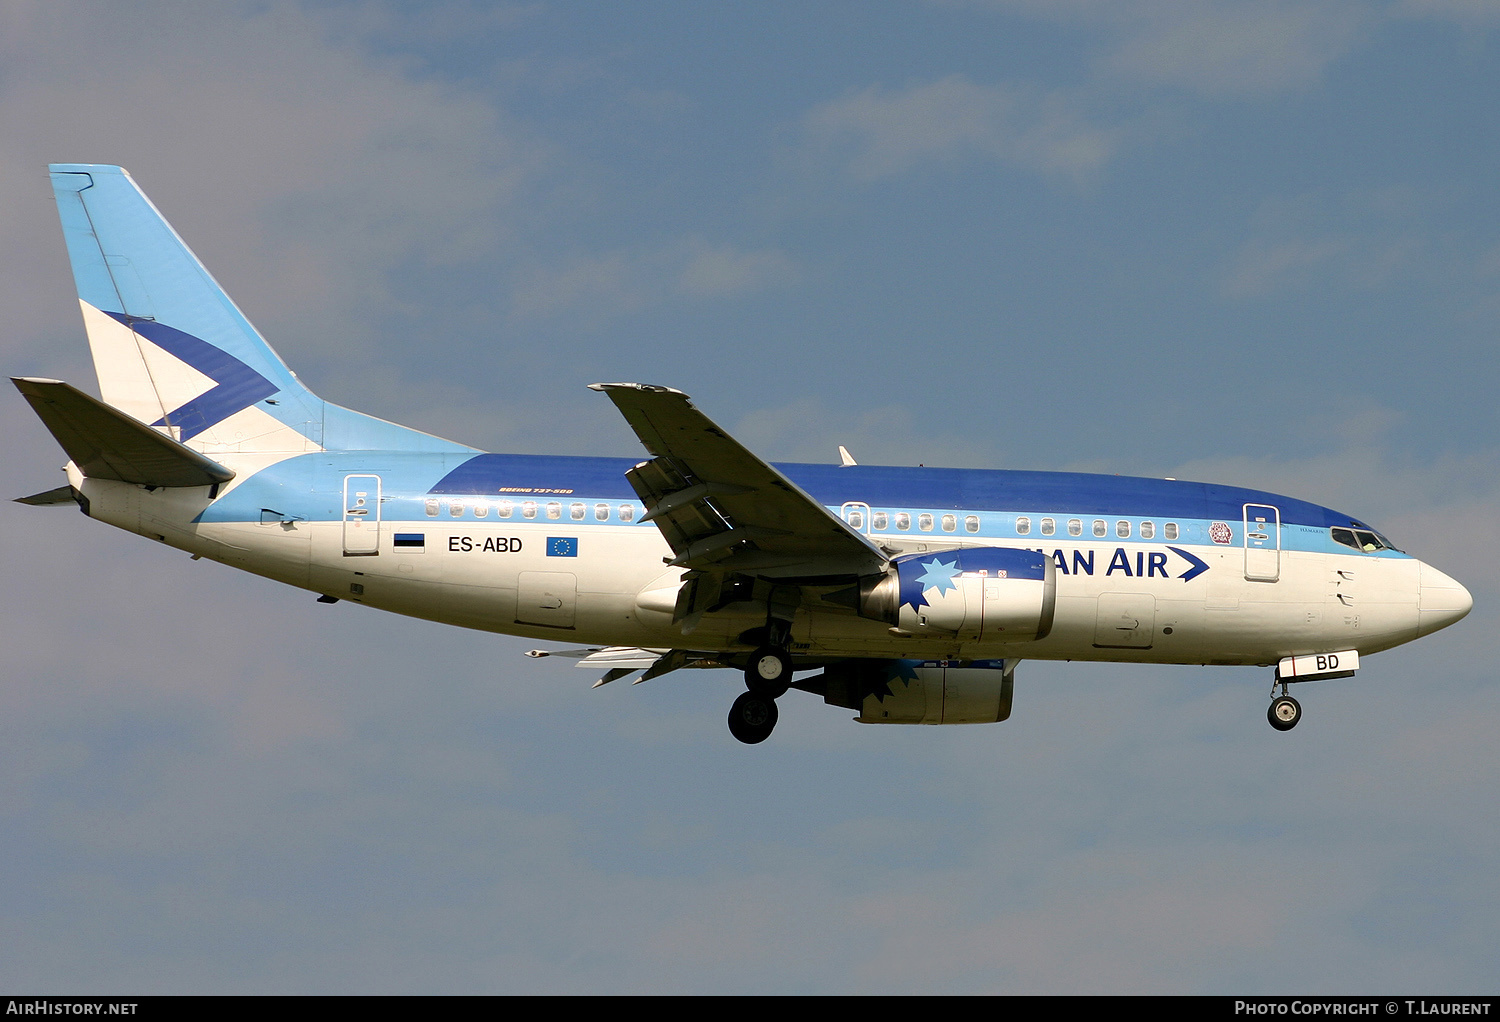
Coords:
pixel 1284 711
pixel 768 674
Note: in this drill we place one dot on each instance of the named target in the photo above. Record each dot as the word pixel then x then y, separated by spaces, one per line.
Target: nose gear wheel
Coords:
pixel 1284 712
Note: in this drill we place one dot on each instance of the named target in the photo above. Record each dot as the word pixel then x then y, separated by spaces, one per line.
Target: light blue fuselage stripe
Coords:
pixel 997 497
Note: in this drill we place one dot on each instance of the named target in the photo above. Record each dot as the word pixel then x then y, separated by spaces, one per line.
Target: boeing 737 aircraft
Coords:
pixel 911 592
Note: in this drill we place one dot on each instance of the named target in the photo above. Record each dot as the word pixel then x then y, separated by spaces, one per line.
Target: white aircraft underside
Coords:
pixel 913 592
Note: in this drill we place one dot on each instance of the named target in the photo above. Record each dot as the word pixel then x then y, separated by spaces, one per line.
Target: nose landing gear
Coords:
pixel 1284 713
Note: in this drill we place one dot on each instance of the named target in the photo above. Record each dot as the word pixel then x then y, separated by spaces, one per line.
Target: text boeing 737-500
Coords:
pixel 911 592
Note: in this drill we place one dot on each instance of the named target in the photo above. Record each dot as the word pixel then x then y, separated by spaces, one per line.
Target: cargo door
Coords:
pixel 547 598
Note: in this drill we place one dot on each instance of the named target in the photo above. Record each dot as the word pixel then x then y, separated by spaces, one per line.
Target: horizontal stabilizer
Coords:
pixel 105 443
pixel 61 495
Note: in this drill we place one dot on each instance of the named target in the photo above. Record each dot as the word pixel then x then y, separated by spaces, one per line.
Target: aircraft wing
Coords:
pixel 722 509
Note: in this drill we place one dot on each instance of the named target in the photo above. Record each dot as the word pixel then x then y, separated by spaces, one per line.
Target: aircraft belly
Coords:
pixel 168 515
pixel 277 550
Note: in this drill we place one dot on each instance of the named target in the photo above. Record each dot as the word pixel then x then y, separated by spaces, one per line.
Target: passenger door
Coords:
pixel 1262 543
pixel 361 515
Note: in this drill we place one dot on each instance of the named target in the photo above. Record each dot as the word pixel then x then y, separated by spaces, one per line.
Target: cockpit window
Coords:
pixel 1365 540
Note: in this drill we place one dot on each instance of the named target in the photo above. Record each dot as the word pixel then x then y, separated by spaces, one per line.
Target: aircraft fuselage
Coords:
pixel 554 549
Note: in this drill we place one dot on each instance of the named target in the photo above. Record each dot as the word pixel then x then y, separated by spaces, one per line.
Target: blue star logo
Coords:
pixel 939 576
pixel 892 672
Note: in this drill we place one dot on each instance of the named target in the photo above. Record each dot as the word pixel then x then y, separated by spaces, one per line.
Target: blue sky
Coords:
pixel 1245 243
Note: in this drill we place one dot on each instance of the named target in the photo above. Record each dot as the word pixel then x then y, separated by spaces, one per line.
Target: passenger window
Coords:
pixel 1170 530
pixel 1075 527
pixel 456 508
pixel 1148 530
pixel 903 520
pixel 554 510
pixel 1023 526
pixel 528 509
pixel 627 512
pixel 1122 529
pixel 1048 526
pixel 601 512
pixel 971 523
pixel 576 512
pixel 950 523
pixel 924 522
pixel 1100 528
pixel 432 507
pixel 881 521
pixel 504 509
pixel 856 519
pixel 481 510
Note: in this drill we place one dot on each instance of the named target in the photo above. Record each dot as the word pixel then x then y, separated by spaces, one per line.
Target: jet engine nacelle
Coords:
pixel 991 594
pixel 921 692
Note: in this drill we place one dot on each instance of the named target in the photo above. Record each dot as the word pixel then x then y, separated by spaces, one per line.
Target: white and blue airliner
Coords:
pixel 907 595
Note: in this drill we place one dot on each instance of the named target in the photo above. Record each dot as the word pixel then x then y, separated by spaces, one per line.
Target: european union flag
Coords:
pixel 562 546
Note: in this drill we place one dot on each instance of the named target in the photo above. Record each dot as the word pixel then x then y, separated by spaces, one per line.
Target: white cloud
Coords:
pixel 1234 48
pixel 881 132
pixel 1215 47
pixel 599 287
pixel 301 169
pixel 878 433
pixel 1358 241
pixel 1477 13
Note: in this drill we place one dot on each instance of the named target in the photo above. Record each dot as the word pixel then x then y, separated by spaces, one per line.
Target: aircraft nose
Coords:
pixel 1443 601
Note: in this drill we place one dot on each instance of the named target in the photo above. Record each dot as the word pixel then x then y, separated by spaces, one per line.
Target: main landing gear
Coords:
pixel 753 716
pixel 1284 711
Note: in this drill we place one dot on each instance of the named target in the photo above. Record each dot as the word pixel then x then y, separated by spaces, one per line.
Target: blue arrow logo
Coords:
pixel 1199 566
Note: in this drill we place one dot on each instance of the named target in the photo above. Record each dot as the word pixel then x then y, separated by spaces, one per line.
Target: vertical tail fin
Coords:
pixel 170 347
